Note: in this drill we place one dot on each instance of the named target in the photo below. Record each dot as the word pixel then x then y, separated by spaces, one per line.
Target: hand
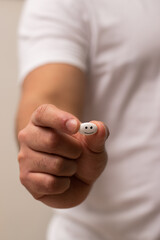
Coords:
pixel 58 165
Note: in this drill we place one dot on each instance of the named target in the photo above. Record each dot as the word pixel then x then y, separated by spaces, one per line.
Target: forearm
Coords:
pixel 58 84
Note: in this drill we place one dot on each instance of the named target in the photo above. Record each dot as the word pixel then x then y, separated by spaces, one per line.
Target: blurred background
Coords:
pixel 21 217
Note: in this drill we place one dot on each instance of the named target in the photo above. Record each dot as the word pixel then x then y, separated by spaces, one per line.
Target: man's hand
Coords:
pixel 58 165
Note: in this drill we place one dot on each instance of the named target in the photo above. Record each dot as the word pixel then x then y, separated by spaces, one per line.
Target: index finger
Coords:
pixel 48 115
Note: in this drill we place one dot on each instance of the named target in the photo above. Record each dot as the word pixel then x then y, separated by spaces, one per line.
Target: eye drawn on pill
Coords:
pixel 88 128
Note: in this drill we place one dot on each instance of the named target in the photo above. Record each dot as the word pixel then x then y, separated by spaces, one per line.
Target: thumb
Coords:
pixel 96 142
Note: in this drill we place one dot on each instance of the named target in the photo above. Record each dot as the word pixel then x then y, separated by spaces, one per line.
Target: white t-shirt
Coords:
pixel 117 43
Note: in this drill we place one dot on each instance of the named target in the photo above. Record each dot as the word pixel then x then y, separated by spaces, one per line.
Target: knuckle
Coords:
pixel 21 156
pixel 76 150
pixel 22 135
pixel 58 165
pixel 58 185
pixel 40 111
pixel 51 184
pixel 52 140
pixel 64 167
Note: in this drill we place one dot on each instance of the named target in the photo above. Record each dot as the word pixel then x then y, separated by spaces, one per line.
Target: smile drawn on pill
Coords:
pixel 88 128
pixel 89 133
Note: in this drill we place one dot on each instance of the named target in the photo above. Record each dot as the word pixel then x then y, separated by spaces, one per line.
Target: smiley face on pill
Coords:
pixel 88 128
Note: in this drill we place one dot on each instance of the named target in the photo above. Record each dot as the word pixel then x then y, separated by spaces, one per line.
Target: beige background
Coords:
pixel 21 217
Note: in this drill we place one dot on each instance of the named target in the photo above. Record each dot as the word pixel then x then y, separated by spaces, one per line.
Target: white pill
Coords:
pixel 88 128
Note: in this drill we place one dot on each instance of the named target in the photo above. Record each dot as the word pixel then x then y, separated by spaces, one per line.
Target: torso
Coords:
pixel 124 92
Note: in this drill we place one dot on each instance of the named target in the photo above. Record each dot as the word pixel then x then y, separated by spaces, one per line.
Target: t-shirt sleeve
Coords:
pixel 52 31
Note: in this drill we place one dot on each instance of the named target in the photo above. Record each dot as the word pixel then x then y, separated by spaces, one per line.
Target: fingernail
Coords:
pixel 107 131
pixel 71 125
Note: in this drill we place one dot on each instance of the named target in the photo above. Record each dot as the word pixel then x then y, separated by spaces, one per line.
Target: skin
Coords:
pixel 58 165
